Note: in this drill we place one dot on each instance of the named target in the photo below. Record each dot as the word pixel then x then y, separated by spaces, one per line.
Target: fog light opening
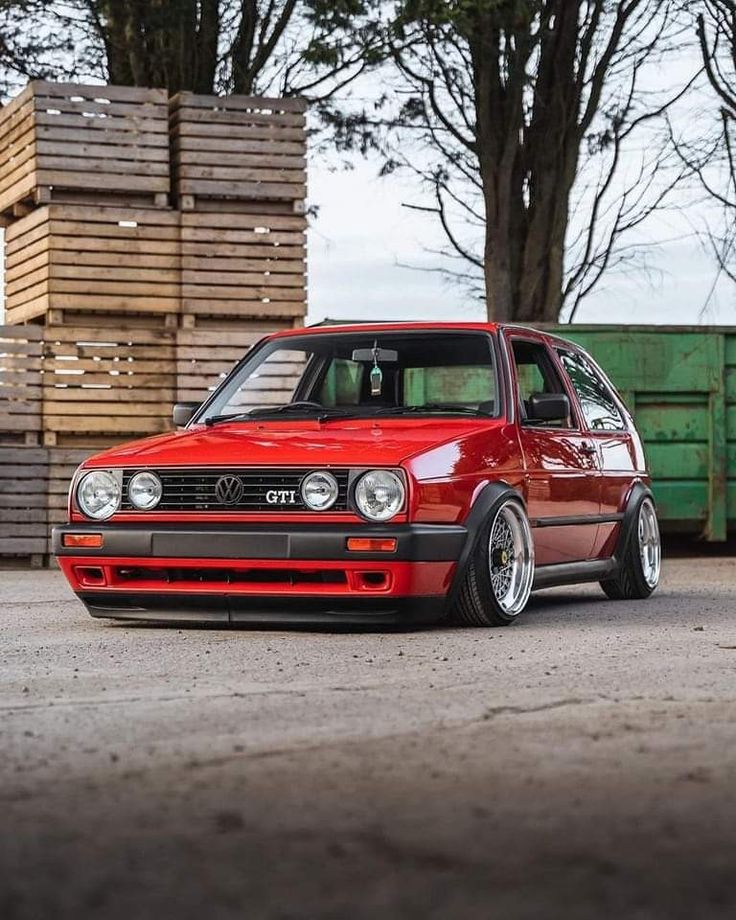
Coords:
pixel 373 581
pixel 89 574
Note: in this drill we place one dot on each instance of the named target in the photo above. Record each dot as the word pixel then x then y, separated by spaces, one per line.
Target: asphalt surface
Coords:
pixel 579 764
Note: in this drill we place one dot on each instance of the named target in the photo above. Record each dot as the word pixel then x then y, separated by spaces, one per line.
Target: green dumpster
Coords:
pixel 680 384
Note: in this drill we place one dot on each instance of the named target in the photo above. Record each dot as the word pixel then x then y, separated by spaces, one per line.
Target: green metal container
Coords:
pixel 680 384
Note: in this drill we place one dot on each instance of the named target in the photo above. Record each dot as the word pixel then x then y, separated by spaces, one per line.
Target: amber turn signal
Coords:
pixel 372 544
pixel 87 540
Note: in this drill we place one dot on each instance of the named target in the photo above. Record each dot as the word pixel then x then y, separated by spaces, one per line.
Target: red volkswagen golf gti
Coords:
pixel 372 474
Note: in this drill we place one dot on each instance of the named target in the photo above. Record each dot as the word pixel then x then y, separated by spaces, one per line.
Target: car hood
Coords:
pixel 357 442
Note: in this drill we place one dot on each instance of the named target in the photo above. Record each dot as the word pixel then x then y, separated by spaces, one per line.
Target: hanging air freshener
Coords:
pixel 376 373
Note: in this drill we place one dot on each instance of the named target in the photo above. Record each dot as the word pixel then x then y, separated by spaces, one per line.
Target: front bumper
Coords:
pixel 262 574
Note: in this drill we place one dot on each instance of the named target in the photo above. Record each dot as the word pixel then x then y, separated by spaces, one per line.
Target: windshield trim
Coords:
pixel 499 409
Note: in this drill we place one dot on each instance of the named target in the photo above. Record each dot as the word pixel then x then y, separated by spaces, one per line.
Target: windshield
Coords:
pixel 362 374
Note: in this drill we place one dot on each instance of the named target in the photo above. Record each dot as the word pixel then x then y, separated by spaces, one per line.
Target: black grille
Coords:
pixel 196 489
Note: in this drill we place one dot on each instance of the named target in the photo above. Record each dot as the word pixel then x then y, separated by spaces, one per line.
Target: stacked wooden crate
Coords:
pixel 148 244
pixel 74 263
pixel 23 464
pixel 239 178
pixel 68 142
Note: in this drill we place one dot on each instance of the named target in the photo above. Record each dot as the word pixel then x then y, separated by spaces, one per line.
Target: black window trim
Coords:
pixel 575 409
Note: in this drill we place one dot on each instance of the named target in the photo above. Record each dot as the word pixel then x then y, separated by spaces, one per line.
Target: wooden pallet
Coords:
pixel 65 140
pixel 23 517
pixel 243 265
pixel 99 383
pixel 92 259
pixel 238 147
pixel 20 385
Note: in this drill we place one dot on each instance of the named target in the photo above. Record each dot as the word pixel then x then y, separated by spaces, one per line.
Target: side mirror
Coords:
pixel 548 407
pixel 184 412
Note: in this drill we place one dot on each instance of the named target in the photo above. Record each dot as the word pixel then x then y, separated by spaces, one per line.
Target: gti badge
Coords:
pixel 281 497
pixel 229 490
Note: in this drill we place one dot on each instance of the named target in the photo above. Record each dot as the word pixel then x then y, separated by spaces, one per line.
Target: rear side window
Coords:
pixel 596 400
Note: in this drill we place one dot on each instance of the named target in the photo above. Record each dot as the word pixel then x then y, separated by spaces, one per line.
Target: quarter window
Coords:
pixel 596 400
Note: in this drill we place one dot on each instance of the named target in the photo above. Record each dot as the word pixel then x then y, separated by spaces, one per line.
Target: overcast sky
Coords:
pixel 362 238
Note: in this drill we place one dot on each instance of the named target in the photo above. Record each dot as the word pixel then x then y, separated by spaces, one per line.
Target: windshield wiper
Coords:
pixel 431 407
pixel 261 412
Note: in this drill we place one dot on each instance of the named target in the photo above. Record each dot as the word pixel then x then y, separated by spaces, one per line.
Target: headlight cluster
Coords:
pixel 99 492
pixel 379 495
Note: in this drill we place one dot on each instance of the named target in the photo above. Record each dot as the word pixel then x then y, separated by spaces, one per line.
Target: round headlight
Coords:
pixel 144 490
pixel 379 495
pixel 98 495
pixel 319 491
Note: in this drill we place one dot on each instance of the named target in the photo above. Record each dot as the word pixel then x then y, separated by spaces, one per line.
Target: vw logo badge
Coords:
pixel 229 490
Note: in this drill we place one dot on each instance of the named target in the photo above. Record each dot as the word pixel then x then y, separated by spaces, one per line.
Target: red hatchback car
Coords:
pixel 372 474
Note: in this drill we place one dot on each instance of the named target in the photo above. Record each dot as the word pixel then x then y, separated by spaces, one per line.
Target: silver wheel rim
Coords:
pixel 511 558
pixel 650 549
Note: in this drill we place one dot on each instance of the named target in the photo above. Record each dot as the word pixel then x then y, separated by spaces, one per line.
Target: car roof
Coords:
pixel 416 326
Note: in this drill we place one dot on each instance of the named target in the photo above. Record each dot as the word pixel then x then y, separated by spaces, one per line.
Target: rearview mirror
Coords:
pixel 548 407
pixel 385 355
pixel 183 413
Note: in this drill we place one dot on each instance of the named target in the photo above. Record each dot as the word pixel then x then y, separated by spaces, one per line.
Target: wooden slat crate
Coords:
pixel 88 259
pixel 244 265
pixel 238 147
pixel 62 462
pixel 64 139
pixel 99 383
pixel 23 496
pixel 20 385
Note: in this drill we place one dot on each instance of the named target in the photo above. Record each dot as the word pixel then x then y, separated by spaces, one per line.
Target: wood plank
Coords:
pixel 187 99
pixel 237 189
pixel 249 293
pixel 111 165
pixel 242 143
pixel 271 263
pixel 69 178
pixel 215 280
pixel 136 94
pixel 217 172
pixel 240 308
pixel 217 157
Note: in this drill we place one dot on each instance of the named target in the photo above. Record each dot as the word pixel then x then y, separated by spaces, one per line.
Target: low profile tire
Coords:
pixel 641 561
pixel 499 575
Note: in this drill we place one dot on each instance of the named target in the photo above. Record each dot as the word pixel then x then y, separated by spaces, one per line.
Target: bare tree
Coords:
pixel 511 102
pixel 710 151
pixel 281 47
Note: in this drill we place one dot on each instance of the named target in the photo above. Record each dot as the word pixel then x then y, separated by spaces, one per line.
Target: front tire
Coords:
pixel 641 561
pixel 499 575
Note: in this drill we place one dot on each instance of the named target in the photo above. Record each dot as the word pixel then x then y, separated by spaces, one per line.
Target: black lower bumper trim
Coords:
pixel 414 542
pixel 255 610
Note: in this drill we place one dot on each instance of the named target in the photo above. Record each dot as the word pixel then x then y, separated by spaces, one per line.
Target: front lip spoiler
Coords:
pixel 415 542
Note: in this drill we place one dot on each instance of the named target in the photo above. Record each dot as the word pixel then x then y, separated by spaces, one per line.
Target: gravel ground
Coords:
pixel 579 764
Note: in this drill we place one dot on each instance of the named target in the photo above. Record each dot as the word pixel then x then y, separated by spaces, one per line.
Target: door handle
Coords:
pixel 588 448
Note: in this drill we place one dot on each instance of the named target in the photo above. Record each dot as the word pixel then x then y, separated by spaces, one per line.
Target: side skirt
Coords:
pixel 571 573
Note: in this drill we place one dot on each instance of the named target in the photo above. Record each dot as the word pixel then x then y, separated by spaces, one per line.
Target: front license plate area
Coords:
pixel 216 545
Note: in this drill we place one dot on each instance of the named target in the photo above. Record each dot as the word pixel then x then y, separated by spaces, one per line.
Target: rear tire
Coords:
pixel 498 579
pixel 640 563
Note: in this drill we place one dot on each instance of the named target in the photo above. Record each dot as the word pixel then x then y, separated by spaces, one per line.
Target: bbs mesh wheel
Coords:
pixel 641 561
pixel 499 575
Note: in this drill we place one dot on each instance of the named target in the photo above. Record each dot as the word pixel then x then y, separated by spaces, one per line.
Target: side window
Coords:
pixel 535 373
pixel 598 405
pixel 342 383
